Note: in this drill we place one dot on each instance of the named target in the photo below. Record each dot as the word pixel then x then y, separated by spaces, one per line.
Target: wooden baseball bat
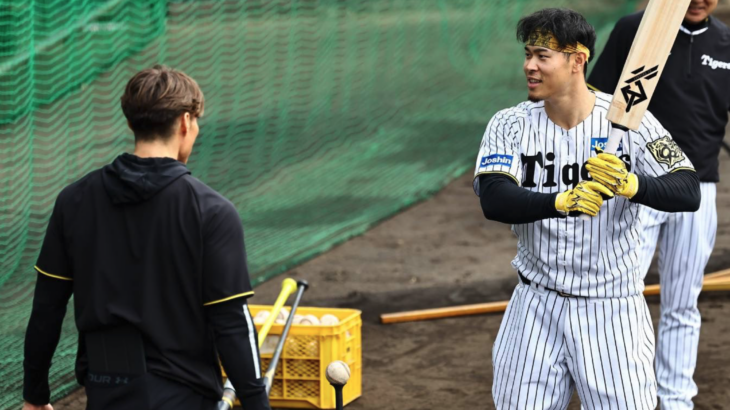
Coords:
pixel 718 281
pixel 719 274
pixel 709 284
pixel 644 65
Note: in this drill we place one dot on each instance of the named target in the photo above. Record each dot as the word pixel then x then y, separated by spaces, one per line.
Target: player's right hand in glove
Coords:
pixel 611 172
pixel 587 197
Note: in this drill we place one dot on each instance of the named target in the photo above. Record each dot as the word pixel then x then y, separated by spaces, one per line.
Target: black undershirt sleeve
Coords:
pixel 675 192
pixel 42 336
pixel 237 343
pixel 503 201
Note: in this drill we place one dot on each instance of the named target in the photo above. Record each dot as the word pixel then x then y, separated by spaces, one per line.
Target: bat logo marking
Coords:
pixel 633 97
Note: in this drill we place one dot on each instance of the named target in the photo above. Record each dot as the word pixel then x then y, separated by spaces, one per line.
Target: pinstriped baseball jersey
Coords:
pixel 596 258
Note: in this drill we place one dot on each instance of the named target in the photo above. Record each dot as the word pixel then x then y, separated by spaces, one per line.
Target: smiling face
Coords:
pixel 548 72
pixel 699 10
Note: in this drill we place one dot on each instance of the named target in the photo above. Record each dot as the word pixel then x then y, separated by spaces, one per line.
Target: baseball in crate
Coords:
pixel 317 337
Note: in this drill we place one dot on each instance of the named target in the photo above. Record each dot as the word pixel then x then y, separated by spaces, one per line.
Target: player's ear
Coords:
pixel 579 61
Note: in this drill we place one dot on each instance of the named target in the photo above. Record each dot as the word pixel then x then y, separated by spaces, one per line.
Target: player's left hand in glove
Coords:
pixel 587 198
pixel 610 171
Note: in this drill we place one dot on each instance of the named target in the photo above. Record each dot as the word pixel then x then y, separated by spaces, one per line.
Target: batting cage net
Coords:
pixel 322 117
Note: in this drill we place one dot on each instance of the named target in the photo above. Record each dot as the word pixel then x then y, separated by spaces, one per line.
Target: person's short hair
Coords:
pixel 155 97
pixel 569 27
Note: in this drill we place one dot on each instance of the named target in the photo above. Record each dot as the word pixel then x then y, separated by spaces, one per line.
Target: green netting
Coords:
pixel 322 116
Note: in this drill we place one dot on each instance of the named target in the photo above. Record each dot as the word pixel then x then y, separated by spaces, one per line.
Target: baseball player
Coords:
pixel 692 101
pixel 577 319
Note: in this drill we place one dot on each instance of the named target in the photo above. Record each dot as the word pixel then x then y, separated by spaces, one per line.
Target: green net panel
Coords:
pixel 322 116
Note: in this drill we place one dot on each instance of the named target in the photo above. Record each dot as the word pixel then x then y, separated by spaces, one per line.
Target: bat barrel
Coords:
pixel 288 286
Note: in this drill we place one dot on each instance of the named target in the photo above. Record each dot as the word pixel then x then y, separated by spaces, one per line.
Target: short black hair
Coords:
pixel 569 27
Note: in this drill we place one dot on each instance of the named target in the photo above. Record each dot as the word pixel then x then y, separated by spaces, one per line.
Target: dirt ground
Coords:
pixel 443 252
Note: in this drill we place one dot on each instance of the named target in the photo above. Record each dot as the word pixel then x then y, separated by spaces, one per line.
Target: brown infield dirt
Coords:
pixel 442 252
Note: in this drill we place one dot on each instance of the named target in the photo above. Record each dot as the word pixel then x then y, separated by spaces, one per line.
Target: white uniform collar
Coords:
pixel 685 30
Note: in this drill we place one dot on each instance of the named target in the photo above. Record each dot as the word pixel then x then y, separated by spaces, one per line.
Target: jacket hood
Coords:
pixel 131 179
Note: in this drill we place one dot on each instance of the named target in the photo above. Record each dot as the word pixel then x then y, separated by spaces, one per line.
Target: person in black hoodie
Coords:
pixel 691 100
pixel 156 262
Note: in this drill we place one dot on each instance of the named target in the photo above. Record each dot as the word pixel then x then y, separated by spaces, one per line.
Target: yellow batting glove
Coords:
pixel 610 171
pixel 587 197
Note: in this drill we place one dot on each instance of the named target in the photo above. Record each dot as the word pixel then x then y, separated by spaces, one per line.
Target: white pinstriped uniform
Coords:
pixel 601 342
pixel 685 243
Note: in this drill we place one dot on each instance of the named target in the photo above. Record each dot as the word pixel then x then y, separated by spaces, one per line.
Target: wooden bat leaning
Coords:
pixel 644 65
pixel 719 281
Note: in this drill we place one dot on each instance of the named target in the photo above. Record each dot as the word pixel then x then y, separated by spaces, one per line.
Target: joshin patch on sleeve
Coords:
pixel 495 160
pixel 666 151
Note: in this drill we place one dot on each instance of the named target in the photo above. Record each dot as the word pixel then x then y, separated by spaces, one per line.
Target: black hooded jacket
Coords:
pixel 131 180
pixel 141 242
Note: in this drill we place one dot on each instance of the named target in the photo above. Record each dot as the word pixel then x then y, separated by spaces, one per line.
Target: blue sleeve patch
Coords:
pixel 496 159
pixel 601 143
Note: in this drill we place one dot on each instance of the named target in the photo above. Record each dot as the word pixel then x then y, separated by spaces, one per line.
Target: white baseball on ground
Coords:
pixel 338 373
pixel 329 320
pixel 261 317
pixel 310 320
pixel 282 316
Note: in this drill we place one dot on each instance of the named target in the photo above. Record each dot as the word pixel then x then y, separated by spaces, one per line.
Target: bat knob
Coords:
pixel 304 283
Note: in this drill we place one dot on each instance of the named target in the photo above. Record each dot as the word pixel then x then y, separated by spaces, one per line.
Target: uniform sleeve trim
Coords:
pixel 52 276
pixel 593 88
pixel 240 295
pixel 682 169
pixel 499 173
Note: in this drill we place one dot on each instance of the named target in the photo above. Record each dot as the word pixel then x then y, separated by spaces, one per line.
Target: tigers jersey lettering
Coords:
pixel 596 258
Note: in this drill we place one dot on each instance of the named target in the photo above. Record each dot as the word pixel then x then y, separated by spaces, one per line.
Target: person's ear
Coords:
pixel 185 123
pixel 579 62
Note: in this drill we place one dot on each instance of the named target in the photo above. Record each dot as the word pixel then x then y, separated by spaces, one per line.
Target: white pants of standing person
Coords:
pixel 550 345
pixel 685 243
